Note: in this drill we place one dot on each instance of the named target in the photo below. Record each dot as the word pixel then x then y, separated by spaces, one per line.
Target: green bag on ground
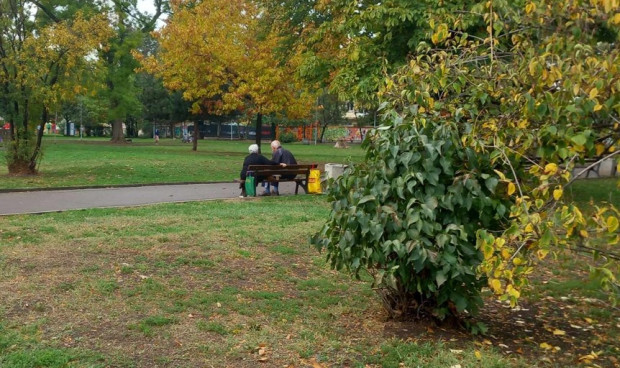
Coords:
pixel 250 185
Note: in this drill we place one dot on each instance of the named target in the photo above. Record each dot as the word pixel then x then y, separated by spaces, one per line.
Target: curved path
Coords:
pixel 42 201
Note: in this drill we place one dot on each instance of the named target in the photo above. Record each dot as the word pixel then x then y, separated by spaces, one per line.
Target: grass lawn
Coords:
pixel 236 284
pixel 69 162
pixel 204 284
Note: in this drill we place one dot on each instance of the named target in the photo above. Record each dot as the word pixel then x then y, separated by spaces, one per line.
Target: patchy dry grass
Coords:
pixel 215 284
pixel 222 284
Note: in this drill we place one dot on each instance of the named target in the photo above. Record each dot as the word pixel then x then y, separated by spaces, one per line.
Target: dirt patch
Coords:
pixel 549 332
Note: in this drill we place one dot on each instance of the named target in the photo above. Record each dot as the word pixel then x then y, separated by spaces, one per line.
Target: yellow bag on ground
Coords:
pixel 314 181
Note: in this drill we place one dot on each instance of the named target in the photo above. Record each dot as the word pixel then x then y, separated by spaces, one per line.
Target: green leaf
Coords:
pixel 491 183
pixel 366 198
pixel 440 278
pixel 579 139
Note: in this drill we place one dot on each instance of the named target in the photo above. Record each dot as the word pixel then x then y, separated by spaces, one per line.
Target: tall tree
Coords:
pixel 121 92
pixel 219 56
pixel 45 57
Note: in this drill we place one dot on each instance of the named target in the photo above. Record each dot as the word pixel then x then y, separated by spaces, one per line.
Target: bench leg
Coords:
pixel 303 185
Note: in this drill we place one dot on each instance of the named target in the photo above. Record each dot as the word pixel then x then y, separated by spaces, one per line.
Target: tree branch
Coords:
pixel 47 11
pixel 589 167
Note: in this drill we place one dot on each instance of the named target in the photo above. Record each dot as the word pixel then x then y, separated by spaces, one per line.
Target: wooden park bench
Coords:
pixel 278 174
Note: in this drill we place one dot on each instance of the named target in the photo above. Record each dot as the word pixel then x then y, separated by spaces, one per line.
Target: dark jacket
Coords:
pixel 254 159
pixel 282 155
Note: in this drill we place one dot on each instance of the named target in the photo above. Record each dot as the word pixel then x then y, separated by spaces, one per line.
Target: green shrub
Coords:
pixel 288 137
pixel 19 153
pixel 409 215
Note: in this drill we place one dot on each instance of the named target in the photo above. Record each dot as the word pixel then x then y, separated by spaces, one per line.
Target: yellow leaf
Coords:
pixel 598 107
pixel 587 358
pixel 532 67
pixel 478 354
pixel 600 148
pixel 557 332
pixel 529 228
pixel 529 8
pixel 546 346
pixel 612 224
pixel 583 233
pixel 500 174
pixel 616 19
pixel 593 93
pixel 576 89
pixel 496 285
pixel 505 253
pixel 608 5
pixel 551 168
pixel 542 253
pixel 511 188
pixel 513 292
pixel 557 194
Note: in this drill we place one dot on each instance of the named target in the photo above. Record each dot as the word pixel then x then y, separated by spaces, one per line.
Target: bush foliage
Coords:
pixel 410 214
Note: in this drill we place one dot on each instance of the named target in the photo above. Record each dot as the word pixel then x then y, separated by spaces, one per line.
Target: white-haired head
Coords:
pixel 275 144
pixel 253 148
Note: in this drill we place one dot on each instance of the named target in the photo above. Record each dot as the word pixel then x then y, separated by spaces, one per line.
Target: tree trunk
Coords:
pixel 171 126
pixel 18 162
pixel 273 131
pixel 32 165
pixel 117 132
pixel 323 129
pixel 259 129
pixel 195 140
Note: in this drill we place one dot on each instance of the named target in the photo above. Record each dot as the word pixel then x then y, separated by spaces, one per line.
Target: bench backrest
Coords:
pixel 266 170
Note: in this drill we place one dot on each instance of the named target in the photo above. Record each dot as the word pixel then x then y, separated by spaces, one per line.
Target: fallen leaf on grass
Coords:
pixel 456 366
pixel 478 354
pixel 559 332
pixel 455 351
pixel 546 346
pixel 587 359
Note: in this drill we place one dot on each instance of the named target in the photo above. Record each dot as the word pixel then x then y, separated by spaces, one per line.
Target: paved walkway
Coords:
pixel 41 201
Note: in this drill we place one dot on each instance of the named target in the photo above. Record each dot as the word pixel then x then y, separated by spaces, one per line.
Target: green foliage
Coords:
pixel 288 137
pixel 409 216
pixel 19 152
pixel 536 99
pixel 334 134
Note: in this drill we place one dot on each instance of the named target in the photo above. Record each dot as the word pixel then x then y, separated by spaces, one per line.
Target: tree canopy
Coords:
pixel 217 54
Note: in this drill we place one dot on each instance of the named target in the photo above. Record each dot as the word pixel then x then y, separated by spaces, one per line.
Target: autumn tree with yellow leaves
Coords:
pixel 44 58
pixel 222 58
pixel 463 186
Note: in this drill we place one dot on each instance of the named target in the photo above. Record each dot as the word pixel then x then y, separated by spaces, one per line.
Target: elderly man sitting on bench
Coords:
pixel 281 156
